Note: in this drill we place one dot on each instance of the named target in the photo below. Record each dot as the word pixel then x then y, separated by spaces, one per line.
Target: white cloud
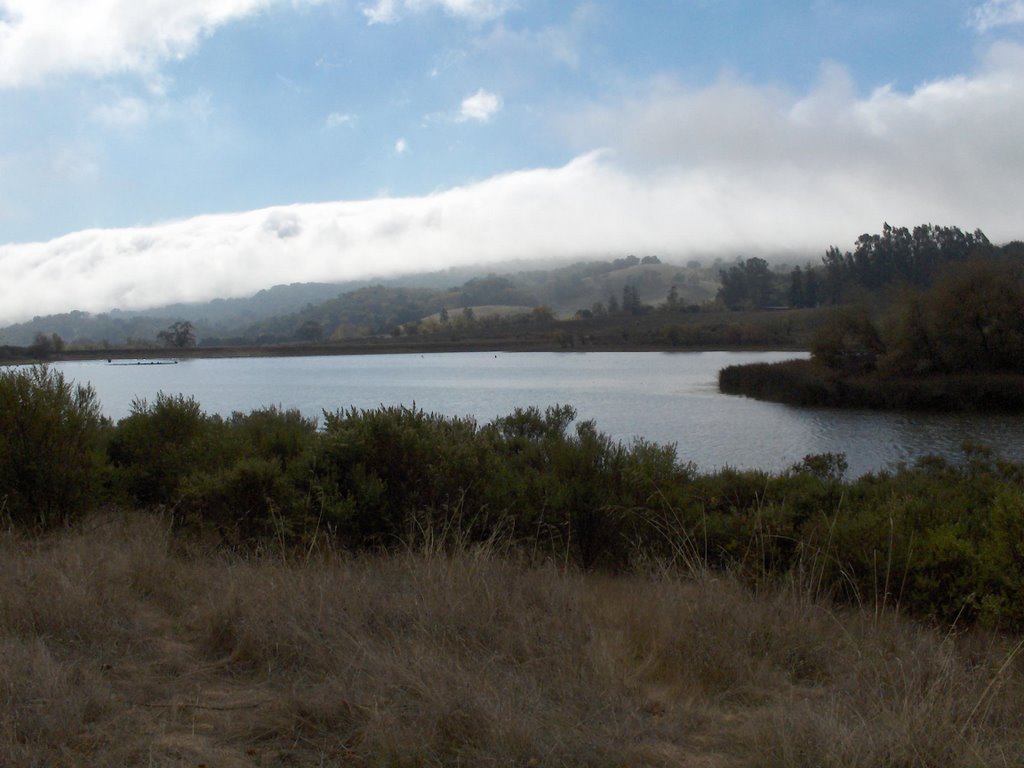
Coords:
pixel 75 163
pixel 391 11
pixel 381 12
pixel 728 169
pixel 40 39
pixel 949 150
pixel 997 13
pixel 127 112
pixel 481 106
pixel 123 113
pixel 401 147
pixel 559 43
pixel 338 119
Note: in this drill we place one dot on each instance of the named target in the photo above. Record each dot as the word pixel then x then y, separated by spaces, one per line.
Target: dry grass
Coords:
pixel 121 646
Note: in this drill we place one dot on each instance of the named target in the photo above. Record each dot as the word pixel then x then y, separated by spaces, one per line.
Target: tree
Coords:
pixel 910 347
pixel 746 285
pixel 759 282
pixel 50 437
pixel 811 289
pixel 970 321
pixel 797 290
pixel 542 314
pixel 975 318
pixel 899 256
pixel 42 345
pixel 631 300
pixel 310 330
pixel 672 301
pixel 179 335
pixel 492 289
pixel 849 342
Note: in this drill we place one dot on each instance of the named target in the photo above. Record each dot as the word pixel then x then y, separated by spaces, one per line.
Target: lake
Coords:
pixel 660 397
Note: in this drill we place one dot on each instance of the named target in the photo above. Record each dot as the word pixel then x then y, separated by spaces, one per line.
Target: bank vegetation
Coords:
pixel 958 345
pixel 393 587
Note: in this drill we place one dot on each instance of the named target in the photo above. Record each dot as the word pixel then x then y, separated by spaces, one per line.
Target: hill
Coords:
pixel 220 316
pixel 311 312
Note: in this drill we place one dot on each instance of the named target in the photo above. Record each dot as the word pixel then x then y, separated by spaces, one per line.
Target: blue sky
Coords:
pixel 164 150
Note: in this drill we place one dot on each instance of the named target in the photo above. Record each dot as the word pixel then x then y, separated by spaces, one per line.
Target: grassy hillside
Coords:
pixel 652 281
pixel 315 311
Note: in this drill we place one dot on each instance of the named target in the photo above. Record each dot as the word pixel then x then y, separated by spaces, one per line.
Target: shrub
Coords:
pixel 159 444
pixel 377 469
pixel 1002 561
pixel 273 433
pixel 246 502
pixel 50 456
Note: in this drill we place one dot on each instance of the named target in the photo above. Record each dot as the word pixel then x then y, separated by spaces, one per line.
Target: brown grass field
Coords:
pixel 122 644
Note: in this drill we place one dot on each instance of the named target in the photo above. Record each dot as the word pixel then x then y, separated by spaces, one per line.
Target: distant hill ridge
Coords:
pixel 314 311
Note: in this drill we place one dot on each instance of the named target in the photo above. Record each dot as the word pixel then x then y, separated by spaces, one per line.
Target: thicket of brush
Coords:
pixel 944 542
pixel 808 383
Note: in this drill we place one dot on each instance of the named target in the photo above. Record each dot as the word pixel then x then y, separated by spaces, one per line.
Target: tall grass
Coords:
pixel 126 645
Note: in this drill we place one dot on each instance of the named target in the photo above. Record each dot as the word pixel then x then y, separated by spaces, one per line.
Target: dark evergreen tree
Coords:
pixel 797 291
pixel 672 301
pixel 631 303
pixel 746 285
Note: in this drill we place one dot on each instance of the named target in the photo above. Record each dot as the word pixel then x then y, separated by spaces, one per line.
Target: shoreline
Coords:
pixel 650 332
pixel 380 347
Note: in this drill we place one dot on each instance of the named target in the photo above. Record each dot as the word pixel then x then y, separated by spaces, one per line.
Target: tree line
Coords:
pixel 897 256
pixel 971 320
pixel 955 345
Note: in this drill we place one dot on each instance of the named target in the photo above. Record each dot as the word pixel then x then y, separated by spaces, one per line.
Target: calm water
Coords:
pixel 662 397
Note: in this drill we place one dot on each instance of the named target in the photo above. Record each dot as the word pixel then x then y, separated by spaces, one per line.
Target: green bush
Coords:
pixel 50 446
pixel 378 470
pixel 157 445
pixel 246 502
pixel 273 433
pixel 1001 599
pixel 941 540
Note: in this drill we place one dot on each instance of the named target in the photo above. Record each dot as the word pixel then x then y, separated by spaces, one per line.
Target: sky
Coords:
pixel 157 151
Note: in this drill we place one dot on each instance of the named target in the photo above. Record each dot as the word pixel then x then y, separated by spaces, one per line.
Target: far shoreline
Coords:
pixel 380 347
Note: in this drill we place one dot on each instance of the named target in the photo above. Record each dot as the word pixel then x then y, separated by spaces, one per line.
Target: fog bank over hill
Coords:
pixel 584 209
pixel 174 194
pixel 341 310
